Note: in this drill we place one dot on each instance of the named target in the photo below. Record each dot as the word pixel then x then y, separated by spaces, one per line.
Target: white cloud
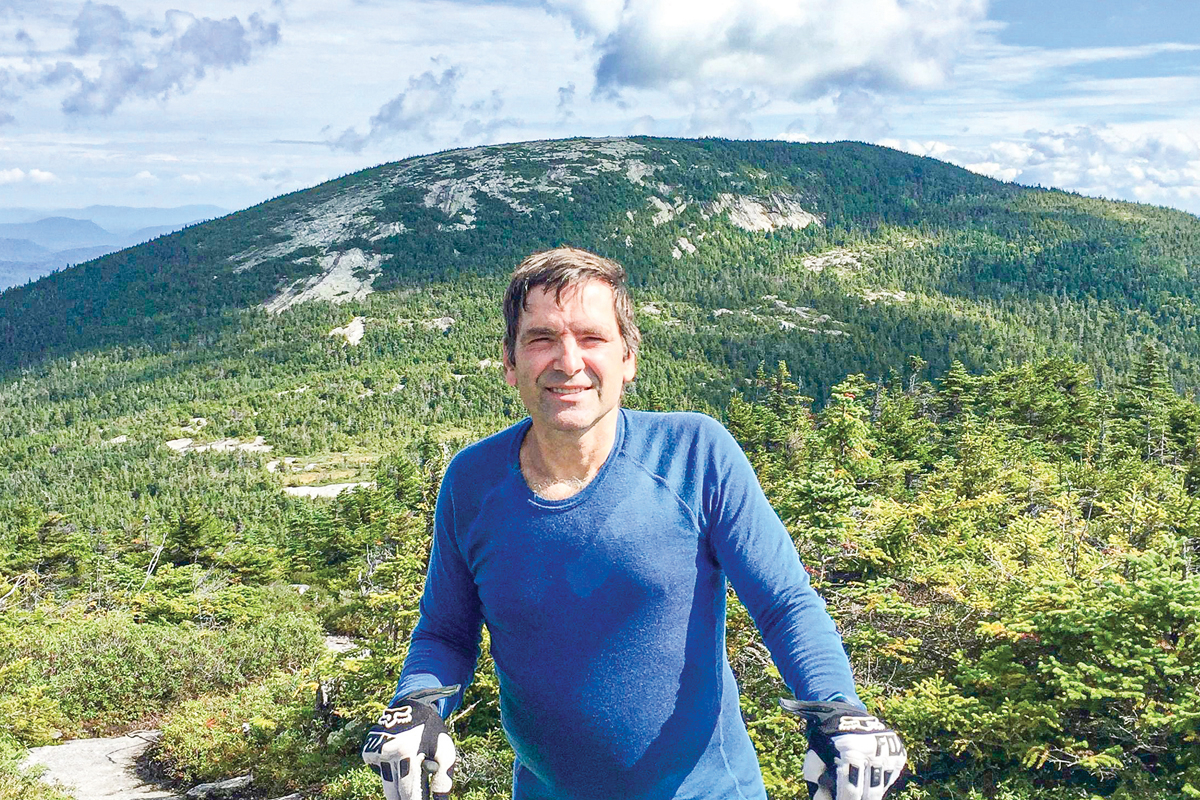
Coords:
pixel 427 100
pixel 566 98
pixel 794 133
pixel 18 175
pixel 235 117
pixel 1160 167
pixel 995 170
pixel 850 113
pixel 642 126
pixel 477 131
pixel 724 63
pixel 100 29
pixel 1181 92
pixel 796 48
pixel 146 176
pixel 598 18
pixel 112 57
pixel 719 113
pixel 992 62
pixel 933 149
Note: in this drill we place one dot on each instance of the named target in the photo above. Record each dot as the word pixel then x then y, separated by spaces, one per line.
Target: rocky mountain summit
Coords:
pixel 448 190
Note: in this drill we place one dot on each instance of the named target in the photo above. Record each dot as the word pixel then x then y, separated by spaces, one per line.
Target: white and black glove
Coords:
pixel 851 754
pixel 411 749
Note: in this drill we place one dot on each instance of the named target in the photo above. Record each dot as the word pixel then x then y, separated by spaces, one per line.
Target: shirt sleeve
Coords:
pixel 444 647
pixel 758 556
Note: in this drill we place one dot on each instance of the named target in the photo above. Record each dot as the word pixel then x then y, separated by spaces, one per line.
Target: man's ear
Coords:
pixel 630 367
pixel 510 369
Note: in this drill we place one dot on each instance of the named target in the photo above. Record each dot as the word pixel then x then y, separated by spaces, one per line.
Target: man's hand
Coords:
pixel 410 748
pixel 851 754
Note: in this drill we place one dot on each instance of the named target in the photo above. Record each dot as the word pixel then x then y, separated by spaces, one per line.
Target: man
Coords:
pixel 595 543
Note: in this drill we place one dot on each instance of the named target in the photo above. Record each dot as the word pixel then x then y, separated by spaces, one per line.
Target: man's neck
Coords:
pixel 559 464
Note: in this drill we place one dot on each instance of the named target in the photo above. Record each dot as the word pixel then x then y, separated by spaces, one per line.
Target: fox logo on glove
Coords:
pixel 860 725
pixel 393 717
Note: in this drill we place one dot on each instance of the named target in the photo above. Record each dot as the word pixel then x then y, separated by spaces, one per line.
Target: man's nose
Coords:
pixel 570 357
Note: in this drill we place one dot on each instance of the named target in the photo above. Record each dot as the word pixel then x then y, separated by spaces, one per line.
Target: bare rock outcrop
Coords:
pixel 768 213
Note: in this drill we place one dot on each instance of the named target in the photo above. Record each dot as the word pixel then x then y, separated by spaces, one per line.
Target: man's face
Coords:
pixel 569 361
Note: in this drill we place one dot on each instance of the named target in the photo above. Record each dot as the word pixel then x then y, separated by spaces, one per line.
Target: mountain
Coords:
pixel 21 250
pixel 59 233
pixel 831 257
pixel 151 232
pixel 24 270
pixel 119 219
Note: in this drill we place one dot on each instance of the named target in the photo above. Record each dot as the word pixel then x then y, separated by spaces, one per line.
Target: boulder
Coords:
pixel 220 789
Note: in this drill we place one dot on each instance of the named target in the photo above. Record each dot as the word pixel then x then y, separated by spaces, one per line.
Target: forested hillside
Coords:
pixel 973 405
pixel 834 258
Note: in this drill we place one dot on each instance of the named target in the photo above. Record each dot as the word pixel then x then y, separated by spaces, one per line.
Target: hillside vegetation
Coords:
pixel 894 254
pixel 970 402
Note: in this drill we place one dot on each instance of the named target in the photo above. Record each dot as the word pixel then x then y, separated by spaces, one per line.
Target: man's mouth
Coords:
pixel 568 389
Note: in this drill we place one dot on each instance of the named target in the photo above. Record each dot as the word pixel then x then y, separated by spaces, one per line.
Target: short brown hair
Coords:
pixel 555 271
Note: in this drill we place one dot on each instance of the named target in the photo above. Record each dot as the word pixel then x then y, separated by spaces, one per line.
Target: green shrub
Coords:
pixel 1019 597
pixel 109 671
pixel 359 783
pixel 272 728
pixel 265 728
pixel 275 729
pixel 29 714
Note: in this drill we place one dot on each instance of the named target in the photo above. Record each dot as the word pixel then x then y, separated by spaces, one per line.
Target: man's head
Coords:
pixel 555 271
pixel 571 343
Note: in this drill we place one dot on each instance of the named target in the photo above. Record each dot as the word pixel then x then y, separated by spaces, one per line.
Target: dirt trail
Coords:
pixel 100 769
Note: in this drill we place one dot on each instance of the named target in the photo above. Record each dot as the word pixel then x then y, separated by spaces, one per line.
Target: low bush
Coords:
pixel 290 740
pixel 268 728
pixel 93 674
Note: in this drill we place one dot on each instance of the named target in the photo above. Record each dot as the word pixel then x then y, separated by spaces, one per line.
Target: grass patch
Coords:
pixel 327 468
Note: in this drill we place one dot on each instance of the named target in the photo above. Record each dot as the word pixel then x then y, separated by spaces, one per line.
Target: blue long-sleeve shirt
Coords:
pixel 606 611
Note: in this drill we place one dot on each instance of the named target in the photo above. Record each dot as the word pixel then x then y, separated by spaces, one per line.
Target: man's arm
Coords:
pixel 762 565
pixel 444 647
pixel 851 753
pixel 410 747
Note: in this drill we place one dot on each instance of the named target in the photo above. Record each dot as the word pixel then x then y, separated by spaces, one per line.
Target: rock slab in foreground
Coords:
pixel 100 769
pixel 220 788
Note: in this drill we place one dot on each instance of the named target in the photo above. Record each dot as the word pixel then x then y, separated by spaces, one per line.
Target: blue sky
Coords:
pixel 231 102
